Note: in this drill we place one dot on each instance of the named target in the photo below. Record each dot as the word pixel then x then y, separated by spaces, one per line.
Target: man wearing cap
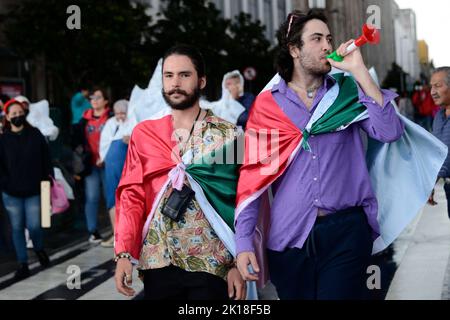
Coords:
pixel 25 102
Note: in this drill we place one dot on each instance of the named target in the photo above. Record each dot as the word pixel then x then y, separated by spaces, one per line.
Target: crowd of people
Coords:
pixel 418 105
pixel 100 134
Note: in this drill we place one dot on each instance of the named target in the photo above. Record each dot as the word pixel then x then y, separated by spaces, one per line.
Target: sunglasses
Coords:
pixel 94 97
pixel 292 18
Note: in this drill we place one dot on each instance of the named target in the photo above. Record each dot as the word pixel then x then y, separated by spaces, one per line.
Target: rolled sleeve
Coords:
pixel 383 124
pixel 388 96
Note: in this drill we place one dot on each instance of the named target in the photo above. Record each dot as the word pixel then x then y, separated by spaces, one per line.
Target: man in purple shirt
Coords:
pixel 323 216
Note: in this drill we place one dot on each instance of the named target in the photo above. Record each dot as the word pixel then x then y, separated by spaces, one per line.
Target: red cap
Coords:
pixel 9 103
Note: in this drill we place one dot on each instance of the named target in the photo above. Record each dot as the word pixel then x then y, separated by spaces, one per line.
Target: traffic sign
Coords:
pixel 250 73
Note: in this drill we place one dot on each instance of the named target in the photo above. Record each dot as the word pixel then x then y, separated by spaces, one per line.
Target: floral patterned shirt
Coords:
pixel 190 243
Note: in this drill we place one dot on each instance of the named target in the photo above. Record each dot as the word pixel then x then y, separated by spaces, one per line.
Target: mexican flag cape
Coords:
pixel 402 173
pixel 153 161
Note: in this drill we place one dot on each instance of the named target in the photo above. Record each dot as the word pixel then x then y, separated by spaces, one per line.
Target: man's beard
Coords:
pixel 311 67
pixel 188 103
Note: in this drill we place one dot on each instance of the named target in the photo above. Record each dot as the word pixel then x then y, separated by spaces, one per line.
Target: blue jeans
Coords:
pixel 24 213
pixel 92 195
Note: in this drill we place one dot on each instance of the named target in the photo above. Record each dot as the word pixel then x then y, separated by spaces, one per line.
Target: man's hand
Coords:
pixel 354 63
pixel 126 139
pixel 124 277
pixel 243 260
pixel 236 285
pixel 99 163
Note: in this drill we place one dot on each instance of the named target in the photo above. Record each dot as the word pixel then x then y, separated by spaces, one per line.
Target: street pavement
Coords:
pixel 421 255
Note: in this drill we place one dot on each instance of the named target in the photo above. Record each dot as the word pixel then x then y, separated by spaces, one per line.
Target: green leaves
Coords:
pixel 119 45
pixel 100 53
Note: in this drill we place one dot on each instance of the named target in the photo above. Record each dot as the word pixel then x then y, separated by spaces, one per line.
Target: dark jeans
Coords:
pixel 447 194
pixel 173 283
pixel 331 265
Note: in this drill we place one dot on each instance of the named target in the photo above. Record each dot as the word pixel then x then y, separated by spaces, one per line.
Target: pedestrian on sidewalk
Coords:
pixel 405 106
pixel 423 102
pixel 79 104
pixel 87 142
pixel 323 216
pixel 235 84
pixel 440 91
pixel 24 163
pixel 182 245
pixel 114 141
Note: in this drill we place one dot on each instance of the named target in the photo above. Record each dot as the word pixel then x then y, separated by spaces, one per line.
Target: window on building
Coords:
pixel 235 8
pixel 319 4
pixel 281 5
pixel 268 19
pixel 219 5
pixel 253 9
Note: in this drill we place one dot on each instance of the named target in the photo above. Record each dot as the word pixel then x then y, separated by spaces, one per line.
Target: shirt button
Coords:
pixel 314 157
pixel 316 200
pixel 315 179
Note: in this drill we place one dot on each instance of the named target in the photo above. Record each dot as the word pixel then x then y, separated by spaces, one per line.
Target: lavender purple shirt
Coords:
pixel 333 177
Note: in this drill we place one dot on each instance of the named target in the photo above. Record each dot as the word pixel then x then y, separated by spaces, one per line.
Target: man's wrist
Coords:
pixel 361 73
pixel 122 255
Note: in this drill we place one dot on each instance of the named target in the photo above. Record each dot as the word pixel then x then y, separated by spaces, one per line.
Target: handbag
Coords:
pixel 58 197
pixel 177 203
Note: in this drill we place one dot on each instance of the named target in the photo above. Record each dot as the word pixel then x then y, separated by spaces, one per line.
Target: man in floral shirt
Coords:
pixel 190 256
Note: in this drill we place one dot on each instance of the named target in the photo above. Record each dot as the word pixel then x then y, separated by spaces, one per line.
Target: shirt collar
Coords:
pixel 282 86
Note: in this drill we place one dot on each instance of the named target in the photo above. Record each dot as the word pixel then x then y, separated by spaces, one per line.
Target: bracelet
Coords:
pixel 122 255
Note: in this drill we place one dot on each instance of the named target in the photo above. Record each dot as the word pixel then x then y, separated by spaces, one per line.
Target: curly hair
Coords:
pixel 290 34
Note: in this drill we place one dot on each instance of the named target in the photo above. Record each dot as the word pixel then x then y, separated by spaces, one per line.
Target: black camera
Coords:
pixel 177 203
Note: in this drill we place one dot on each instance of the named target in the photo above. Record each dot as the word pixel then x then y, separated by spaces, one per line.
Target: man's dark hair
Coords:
pixel 190 52
pixel 290 34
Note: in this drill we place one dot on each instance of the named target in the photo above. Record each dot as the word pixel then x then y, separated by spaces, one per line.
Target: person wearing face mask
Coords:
pixel 114 141
pixel 24 163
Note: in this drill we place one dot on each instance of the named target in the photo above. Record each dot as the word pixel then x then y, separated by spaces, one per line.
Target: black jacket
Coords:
pixel 24 162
